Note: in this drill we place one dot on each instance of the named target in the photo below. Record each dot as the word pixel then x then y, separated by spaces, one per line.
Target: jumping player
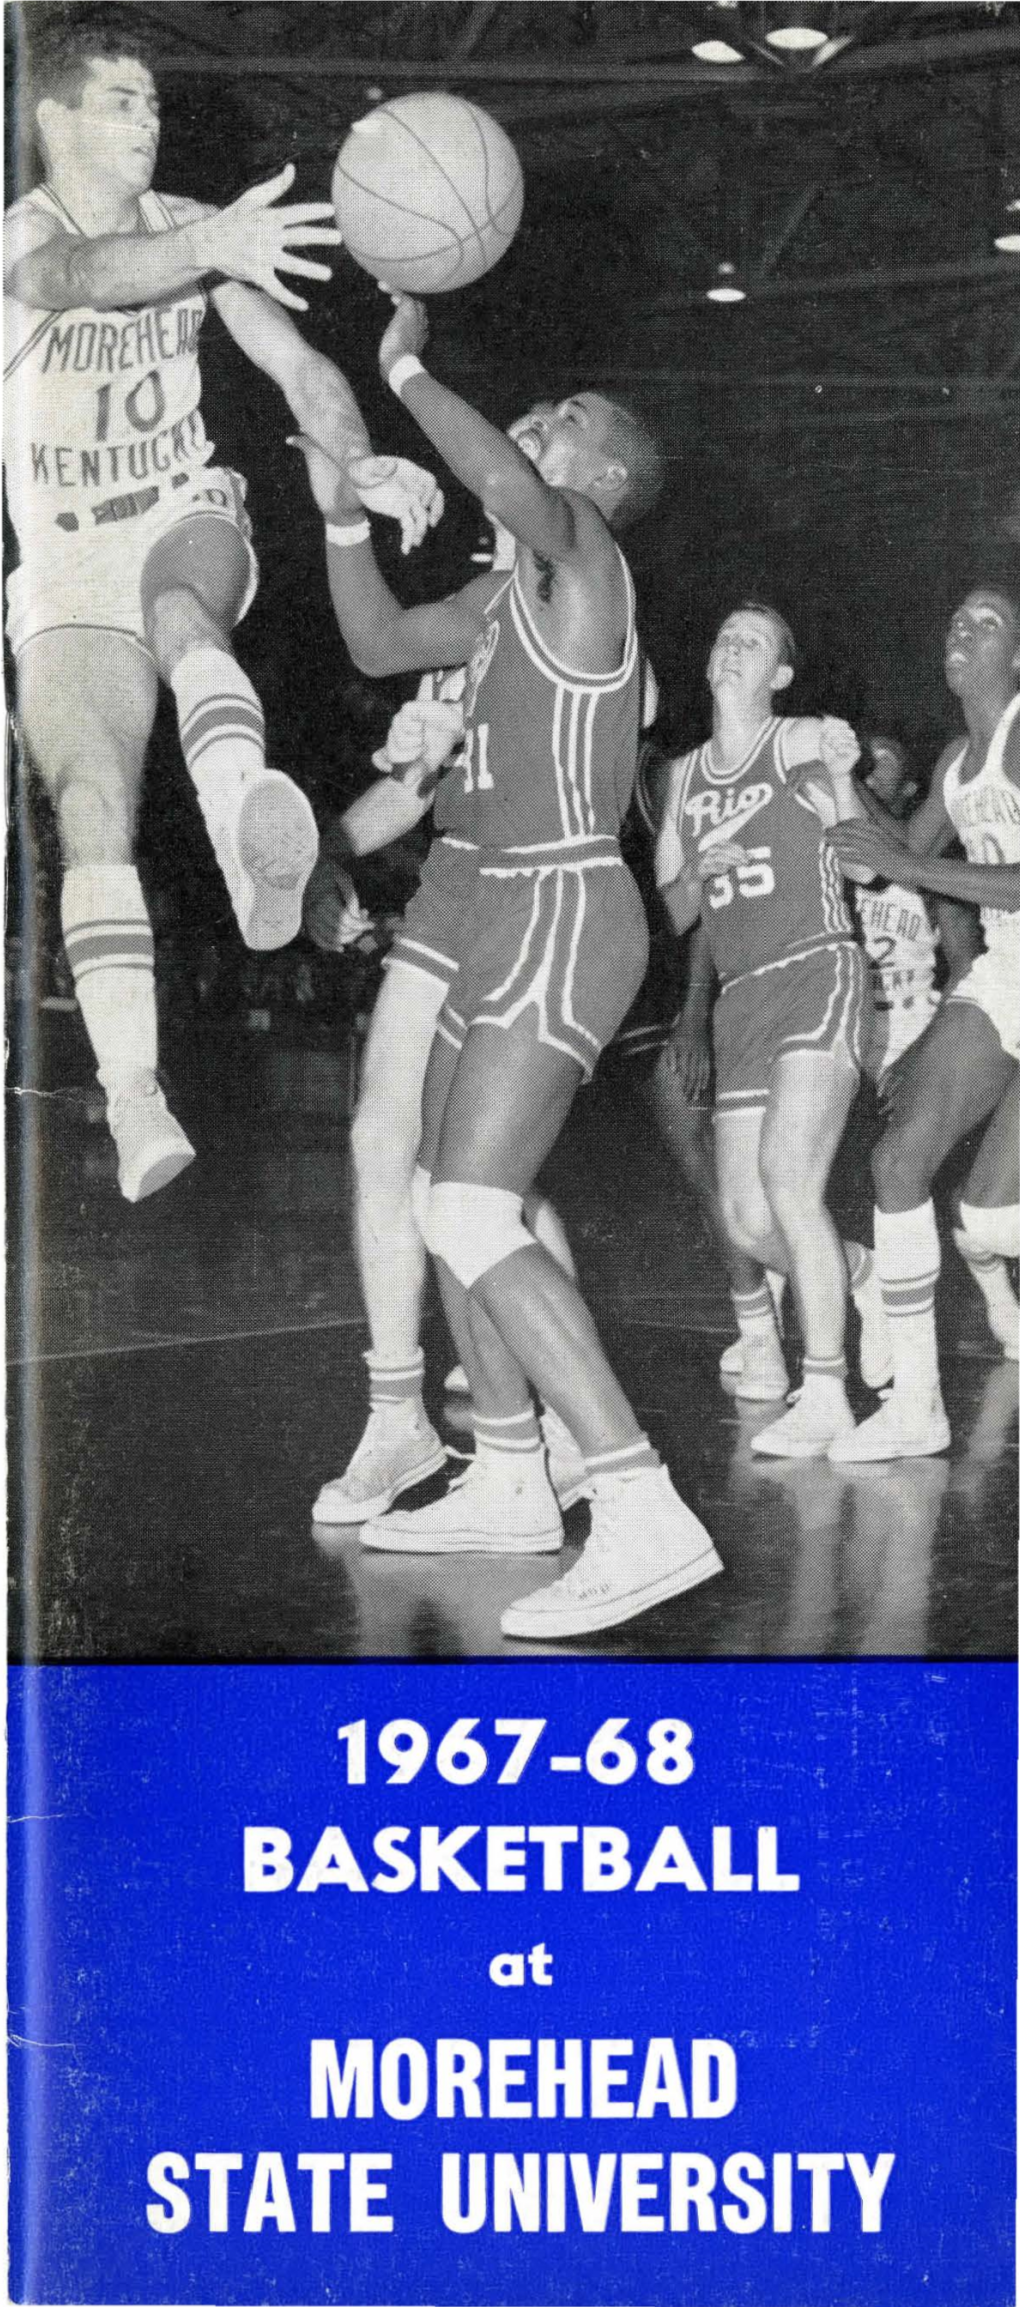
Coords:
pixel 135 559
pixel 788 1020
pixel 964 1069
pixel 555 950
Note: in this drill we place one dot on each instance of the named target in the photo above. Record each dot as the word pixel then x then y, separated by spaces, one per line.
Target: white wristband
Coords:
pixel 352 533
pixel 407 366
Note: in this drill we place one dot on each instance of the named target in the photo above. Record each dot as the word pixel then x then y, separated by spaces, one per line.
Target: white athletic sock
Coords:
pixel 755 1314
pixel 108 941
pixel 509 1448
pixel 820 1376
pixel 394 1387
pixel 908 1260
pixel 622 1464
pixel 222 725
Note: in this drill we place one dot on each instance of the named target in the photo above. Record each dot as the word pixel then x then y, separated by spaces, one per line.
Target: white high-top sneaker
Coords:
pixel 263 831
pixel 151 1146
pixel 393 1454
pixel 567 1470
pixel 900 1429
pixel 485 1512
pixel 818 1418
pixel 645 1547
pixel 876 1343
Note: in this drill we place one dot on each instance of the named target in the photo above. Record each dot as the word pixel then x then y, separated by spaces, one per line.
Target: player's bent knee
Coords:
pixel 988 1233
pixel 473 1228
pixel 176 620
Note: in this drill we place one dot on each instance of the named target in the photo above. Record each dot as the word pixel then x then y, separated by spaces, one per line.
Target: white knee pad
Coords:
pixel 473 1228
pixel 988 1233
pixel 421 1187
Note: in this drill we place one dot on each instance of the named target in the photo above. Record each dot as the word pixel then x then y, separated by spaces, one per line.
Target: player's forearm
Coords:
pixel 325 407
pixel 368 614
pixel 996 885
pixel 490 465
pixel 115 270
pixel 847 797
pixel 683 904
pixel 380 815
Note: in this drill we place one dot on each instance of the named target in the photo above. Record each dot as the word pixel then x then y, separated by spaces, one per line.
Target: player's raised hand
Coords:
pixel 408 331
pixel 399 491
pixel 837 745
pixel 255 240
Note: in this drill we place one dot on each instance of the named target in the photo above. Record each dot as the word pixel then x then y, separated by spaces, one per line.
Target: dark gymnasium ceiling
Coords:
pixel 847 433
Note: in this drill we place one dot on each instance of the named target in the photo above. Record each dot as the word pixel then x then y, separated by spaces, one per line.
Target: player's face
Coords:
pixel 983 642
pixel 746 655
pixel 116 125
pixel 565 439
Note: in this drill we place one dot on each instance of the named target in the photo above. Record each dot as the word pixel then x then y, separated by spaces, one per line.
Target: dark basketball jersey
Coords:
pixel 549 753
pixel 789 895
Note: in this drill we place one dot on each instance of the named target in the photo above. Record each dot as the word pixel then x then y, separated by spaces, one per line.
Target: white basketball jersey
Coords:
pixel 899 941
pixel 98 404
pixel 986 813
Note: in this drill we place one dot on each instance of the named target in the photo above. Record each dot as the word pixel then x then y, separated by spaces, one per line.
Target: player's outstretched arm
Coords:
pixel 253 240
pixel 483 458
pixel 381 635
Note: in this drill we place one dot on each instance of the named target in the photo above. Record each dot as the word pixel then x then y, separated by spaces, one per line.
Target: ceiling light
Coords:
pixel 726 288
pixel 1009 241
pixel 716 52
pixel 798 29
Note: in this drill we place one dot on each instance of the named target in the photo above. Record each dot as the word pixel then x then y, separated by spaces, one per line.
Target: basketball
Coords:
pixel 428 193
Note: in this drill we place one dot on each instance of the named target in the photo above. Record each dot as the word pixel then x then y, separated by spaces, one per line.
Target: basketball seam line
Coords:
pixel 444 172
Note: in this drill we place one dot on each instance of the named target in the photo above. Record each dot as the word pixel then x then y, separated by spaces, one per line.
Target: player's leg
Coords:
pixel 399 1445
pixel 507 1104
pixel 987 1234
pixel 756 1358
pixel 809 1100
pixel 86 702
pixel 950 1081
pixel 195 586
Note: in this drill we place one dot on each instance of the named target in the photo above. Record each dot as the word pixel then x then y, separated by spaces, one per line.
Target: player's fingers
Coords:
pixel 311 236
pixel 307 212
pixel 281 295
pixel 258 195
pixel 302 264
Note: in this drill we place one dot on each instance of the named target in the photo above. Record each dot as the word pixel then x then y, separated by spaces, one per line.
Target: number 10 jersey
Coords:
pixel 98 404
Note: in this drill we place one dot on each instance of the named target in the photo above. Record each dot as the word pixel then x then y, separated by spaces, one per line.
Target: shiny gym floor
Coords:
pixel 185 1374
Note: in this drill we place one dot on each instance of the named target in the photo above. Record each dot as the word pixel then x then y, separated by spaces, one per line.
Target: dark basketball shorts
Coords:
pixel 563 946
pixel 431 934
pixel 817 1001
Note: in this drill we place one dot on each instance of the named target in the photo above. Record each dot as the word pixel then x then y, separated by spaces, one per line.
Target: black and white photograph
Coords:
pixel 513 657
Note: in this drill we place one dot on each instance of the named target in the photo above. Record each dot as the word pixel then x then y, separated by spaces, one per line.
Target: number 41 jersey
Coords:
pixel 98 403
pixel 788 897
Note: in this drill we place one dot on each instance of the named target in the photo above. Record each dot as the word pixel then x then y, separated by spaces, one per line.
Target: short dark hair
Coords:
pixel 632 440
pixel 789 653
pixel 60 55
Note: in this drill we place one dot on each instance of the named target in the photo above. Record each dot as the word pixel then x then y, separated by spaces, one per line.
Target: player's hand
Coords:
pixel 837 745
pixel 720 857
pixel 332 914
pixel 424 731
pixel 689 1059
pixel 865 853
pixel 333 491
pixel 254 240
pixel 408 331
pixel 398 491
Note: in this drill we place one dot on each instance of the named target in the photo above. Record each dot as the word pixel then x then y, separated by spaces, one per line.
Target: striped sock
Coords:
pixel 504 1445
pixel 859 1264
pixel 824 1366
pixel 222 725
pixel 908 1260
pixel 636 1457
pixel 395 1385
pixel 108 942
pixel 754 1310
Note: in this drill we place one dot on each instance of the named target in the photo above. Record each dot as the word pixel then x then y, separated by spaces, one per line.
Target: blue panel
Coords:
pixel 164 2009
